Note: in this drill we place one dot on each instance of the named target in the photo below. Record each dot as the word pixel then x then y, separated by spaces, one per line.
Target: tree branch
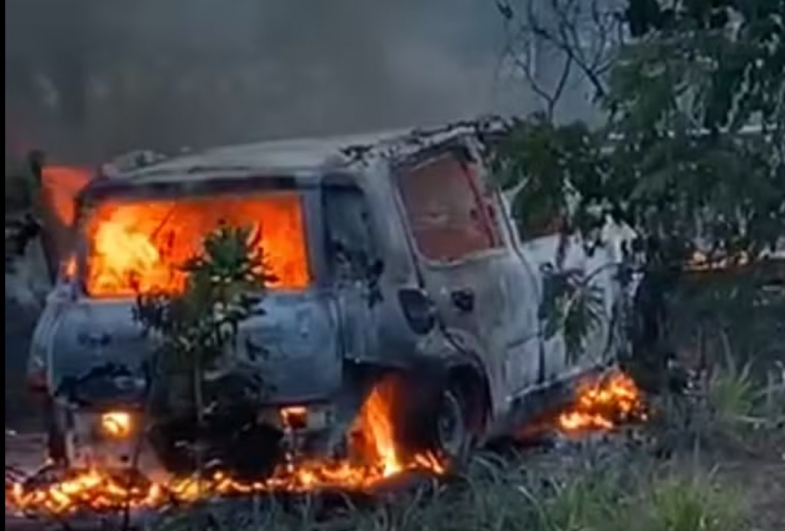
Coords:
pixel 562 26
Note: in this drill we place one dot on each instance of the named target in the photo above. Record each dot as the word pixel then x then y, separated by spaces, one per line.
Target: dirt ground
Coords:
pixel 762 480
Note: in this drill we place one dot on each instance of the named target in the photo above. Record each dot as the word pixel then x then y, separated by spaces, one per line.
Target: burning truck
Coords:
pixel 400 330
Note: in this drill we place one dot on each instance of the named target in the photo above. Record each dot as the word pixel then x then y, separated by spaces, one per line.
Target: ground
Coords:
pixel 763 481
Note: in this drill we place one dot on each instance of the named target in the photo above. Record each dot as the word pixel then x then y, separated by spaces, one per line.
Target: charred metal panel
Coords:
pixel 96 350
pixel 96 353
pixel 294 346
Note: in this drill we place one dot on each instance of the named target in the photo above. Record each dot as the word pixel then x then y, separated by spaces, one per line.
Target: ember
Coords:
pixel 604 404
pixel 140 246
pixel 373 457
pixel 94 490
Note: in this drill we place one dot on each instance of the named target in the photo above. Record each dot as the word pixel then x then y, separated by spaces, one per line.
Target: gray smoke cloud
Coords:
pixel 87 79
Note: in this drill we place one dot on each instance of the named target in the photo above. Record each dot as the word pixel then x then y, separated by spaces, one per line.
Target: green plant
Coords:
pixel 731 393
pixel 695 503
pixel 673 156
pixel 195 329
pixel 571 304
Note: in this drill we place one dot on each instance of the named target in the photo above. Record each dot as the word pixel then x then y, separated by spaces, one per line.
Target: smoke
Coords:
pixel 87 79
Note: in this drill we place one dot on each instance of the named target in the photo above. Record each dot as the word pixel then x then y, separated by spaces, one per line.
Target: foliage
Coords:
pixel 679 99
pixel 549 165
pixel 671 159
pixel 727 412
pixel 678 504
pixel 194 328
pixel 675 157
pixel 571 303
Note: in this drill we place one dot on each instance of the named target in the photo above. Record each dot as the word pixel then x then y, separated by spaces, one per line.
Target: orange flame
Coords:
pixel 373 457
pixel 604 404
pixel 142 245
pixel 99 491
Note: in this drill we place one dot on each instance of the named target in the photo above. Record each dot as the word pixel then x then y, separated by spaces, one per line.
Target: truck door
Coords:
pixel 463 255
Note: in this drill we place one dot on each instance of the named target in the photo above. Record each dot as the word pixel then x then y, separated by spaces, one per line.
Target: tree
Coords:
pixel 681 97
pixel 191 375
pixel 690 149
pixel 558 43
pixel 672 157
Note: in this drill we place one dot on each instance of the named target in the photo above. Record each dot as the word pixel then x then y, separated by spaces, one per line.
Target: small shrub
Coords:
pixel 691 504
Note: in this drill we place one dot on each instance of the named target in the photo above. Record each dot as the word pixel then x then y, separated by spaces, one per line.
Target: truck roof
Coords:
pixel 301 159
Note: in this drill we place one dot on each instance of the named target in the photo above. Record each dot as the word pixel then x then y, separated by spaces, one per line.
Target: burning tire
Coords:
pixel 436 419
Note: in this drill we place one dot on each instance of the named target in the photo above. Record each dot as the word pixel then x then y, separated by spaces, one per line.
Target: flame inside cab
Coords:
pixel 140 246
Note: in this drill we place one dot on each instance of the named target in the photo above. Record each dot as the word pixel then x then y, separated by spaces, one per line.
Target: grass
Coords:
pixel 618 491
pixel 616 482
pixel 710 460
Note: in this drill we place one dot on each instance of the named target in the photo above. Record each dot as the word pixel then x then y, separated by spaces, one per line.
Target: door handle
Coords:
pixel 463 299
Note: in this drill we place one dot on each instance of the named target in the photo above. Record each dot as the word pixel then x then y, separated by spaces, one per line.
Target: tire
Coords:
pixel 440 417
pixel 56 447
pixel 452 436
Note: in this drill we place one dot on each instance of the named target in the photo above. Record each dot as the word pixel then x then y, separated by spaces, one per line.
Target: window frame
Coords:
pixel 346 185
pixel 310 204
pixel 482 196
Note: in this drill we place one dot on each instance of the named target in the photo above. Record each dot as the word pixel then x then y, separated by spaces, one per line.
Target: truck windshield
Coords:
pixel 139 246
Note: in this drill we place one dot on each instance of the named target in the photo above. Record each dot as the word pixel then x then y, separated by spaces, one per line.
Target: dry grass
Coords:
pixel 710 460
pixel 618 490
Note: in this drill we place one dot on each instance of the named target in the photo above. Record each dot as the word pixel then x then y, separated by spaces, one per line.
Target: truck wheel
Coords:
pixel 452 436
pixel 55 438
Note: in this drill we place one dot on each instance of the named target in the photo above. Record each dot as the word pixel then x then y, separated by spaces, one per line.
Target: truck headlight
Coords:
pixel 116 424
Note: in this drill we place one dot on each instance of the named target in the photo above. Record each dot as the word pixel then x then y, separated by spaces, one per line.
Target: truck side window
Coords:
pixel 447 209
pixel 349 242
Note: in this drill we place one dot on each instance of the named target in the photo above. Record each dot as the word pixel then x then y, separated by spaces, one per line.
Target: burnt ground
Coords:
pixel 761 479
pixel 26 452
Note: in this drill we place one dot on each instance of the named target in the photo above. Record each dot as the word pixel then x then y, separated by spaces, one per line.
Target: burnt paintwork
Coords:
pixel 376 300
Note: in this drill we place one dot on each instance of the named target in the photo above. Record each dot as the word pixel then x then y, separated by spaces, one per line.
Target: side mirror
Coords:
pixel 419 310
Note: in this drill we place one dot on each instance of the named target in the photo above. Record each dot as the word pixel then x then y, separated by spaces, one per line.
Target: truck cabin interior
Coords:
pixel 139 245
